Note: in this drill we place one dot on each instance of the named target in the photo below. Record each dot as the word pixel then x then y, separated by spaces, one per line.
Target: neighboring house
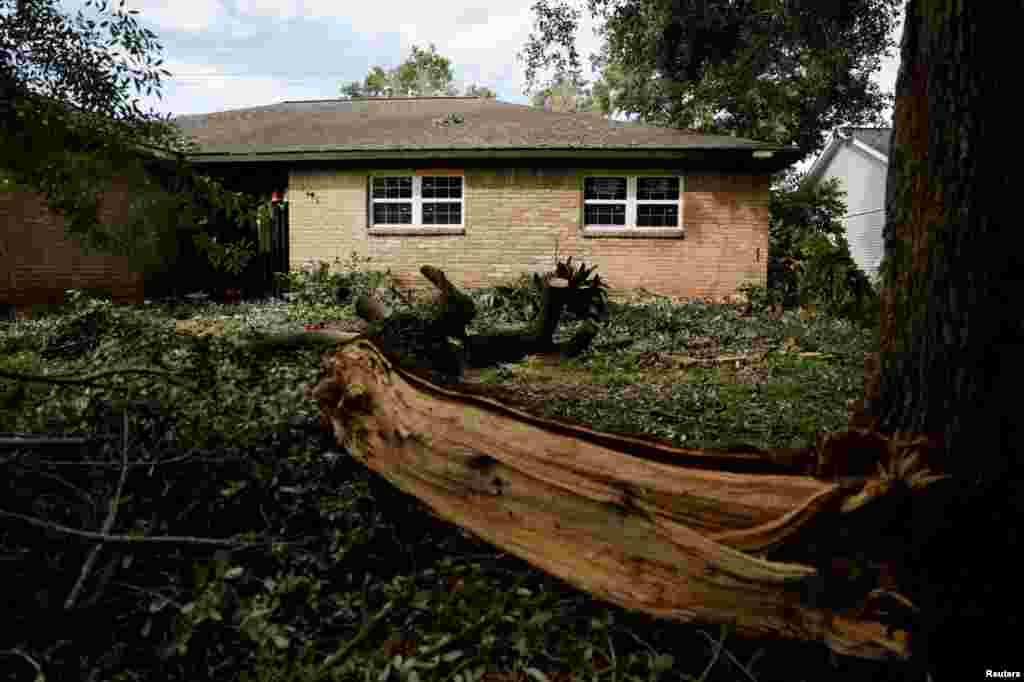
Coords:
pixel 859 157
pixel 39 262
pixel 487 190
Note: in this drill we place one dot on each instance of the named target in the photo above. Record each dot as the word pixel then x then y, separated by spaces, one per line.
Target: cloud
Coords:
pixel 180 15
pixel 234 53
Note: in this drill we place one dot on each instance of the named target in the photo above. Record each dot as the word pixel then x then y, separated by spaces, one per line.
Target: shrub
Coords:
pixel 315 284
pixel 809 260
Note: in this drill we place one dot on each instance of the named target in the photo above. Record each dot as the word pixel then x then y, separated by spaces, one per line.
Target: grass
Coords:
pixel 353 580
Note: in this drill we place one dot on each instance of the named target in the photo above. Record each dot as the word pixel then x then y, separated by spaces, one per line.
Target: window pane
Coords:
pixel 392 214
pixel 442 214
pixel 442 187
pixel 604 214
pixel 657 215
pixel 657 188
pixel 392 188
pixel 604 188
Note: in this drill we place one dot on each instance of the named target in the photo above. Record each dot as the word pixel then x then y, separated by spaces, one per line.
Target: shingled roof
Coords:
pixel 444 127
pixel 874 142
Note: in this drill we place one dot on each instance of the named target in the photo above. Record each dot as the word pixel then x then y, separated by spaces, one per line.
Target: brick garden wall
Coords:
pixel 38 261
pixel 513 218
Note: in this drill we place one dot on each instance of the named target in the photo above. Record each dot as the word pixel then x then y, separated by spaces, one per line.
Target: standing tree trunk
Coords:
pixel 951 335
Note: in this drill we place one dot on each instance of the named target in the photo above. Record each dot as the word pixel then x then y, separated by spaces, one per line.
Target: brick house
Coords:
pixel 39 261
pixel 487 190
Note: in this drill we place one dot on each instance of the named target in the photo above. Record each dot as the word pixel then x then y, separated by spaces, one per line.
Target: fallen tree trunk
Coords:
pixel 682 534
pixel 422 339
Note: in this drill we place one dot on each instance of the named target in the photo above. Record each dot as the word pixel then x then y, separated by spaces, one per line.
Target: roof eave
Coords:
pixel 871 151
pixel 771 160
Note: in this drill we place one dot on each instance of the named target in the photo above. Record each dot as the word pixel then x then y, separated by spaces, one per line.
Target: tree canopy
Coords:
pixel 566 93
pixel 474 90
pixel 784 71
pixel 424 73
pixel 71 121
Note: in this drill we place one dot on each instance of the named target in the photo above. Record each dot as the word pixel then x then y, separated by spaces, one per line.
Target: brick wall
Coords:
pixel 514 217
pixel 38 261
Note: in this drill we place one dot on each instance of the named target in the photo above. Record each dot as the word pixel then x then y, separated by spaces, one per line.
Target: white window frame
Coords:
pixel 631 202
pixel 417 202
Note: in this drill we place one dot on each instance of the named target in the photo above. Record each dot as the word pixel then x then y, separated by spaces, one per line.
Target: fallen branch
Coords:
pixel 689 361
pixel 43 441
pixel 90 380
pixel 108 523
pixel 128 539
pixel 344 652
pixel 28 659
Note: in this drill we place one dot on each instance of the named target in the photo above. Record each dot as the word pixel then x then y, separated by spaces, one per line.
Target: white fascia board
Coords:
pixel 823 160
pixel 870 151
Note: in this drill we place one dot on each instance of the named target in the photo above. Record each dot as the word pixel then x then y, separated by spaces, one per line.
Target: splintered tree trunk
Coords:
pixel 715 537
pixel 952 338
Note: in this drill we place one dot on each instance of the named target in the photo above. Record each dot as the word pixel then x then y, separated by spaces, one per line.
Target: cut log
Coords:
pixel 677 533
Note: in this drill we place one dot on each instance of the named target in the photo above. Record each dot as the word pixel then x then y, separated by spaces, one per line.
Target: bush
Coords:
pixel 832 280
pixel 315 284
pixel 809 260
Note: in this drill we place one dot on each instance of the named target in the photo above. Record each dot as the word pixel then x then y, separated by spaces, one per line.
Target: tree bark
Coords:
pixel 951 349
pixel 717 537
pixel 424 344
pixel 951 328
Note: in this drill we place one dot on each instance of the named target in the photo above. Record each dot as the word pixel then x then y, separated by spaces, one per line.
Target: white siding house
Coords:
pixel 859 157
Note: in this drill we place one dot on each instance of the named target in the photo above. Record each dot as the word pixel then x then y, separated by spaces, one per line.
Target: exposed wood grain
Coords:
pixel 669 531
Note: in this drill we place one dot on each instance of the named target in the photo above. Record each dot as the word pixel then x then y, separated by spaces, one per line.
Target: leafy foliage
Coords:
pixel 424 73
pixel 564 93
pixel 809 261
pixel 316 284
pixel 774 398
pixel 785 72
pixel 348 578
pixel 72 129
pixel 474 90
pixel 229 258
pixel 589 293
pixel 521 300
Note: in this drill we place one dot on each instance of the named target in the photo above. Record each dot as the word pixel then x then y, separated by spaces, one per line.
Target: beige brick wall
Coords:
pixel 38 261
pixel 514 217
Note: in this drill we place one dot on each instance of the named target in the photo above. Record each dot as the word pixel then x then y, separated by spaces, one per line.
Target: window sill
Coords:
pixel 634 232
pixel 415 230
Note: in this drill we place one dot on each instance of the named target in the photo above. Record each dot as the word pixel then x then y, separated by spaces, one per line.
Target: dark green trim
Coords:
pixel 726 158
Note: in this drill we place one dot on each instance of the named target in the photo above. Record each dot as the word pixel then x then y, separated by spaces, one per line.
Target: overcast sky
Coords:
pixel 229 54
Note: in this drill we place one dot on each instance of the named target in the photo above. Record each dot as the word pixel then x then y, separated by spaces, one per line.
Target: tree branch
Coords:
pixel 108 523
pixel 90 380
pixel 42 441
pixel 128 539
pixel 28 659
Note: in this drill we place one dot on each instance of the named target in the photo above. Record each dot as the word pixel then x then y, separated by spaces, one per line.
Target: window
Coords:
pixel 416 200
pixel 632 202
